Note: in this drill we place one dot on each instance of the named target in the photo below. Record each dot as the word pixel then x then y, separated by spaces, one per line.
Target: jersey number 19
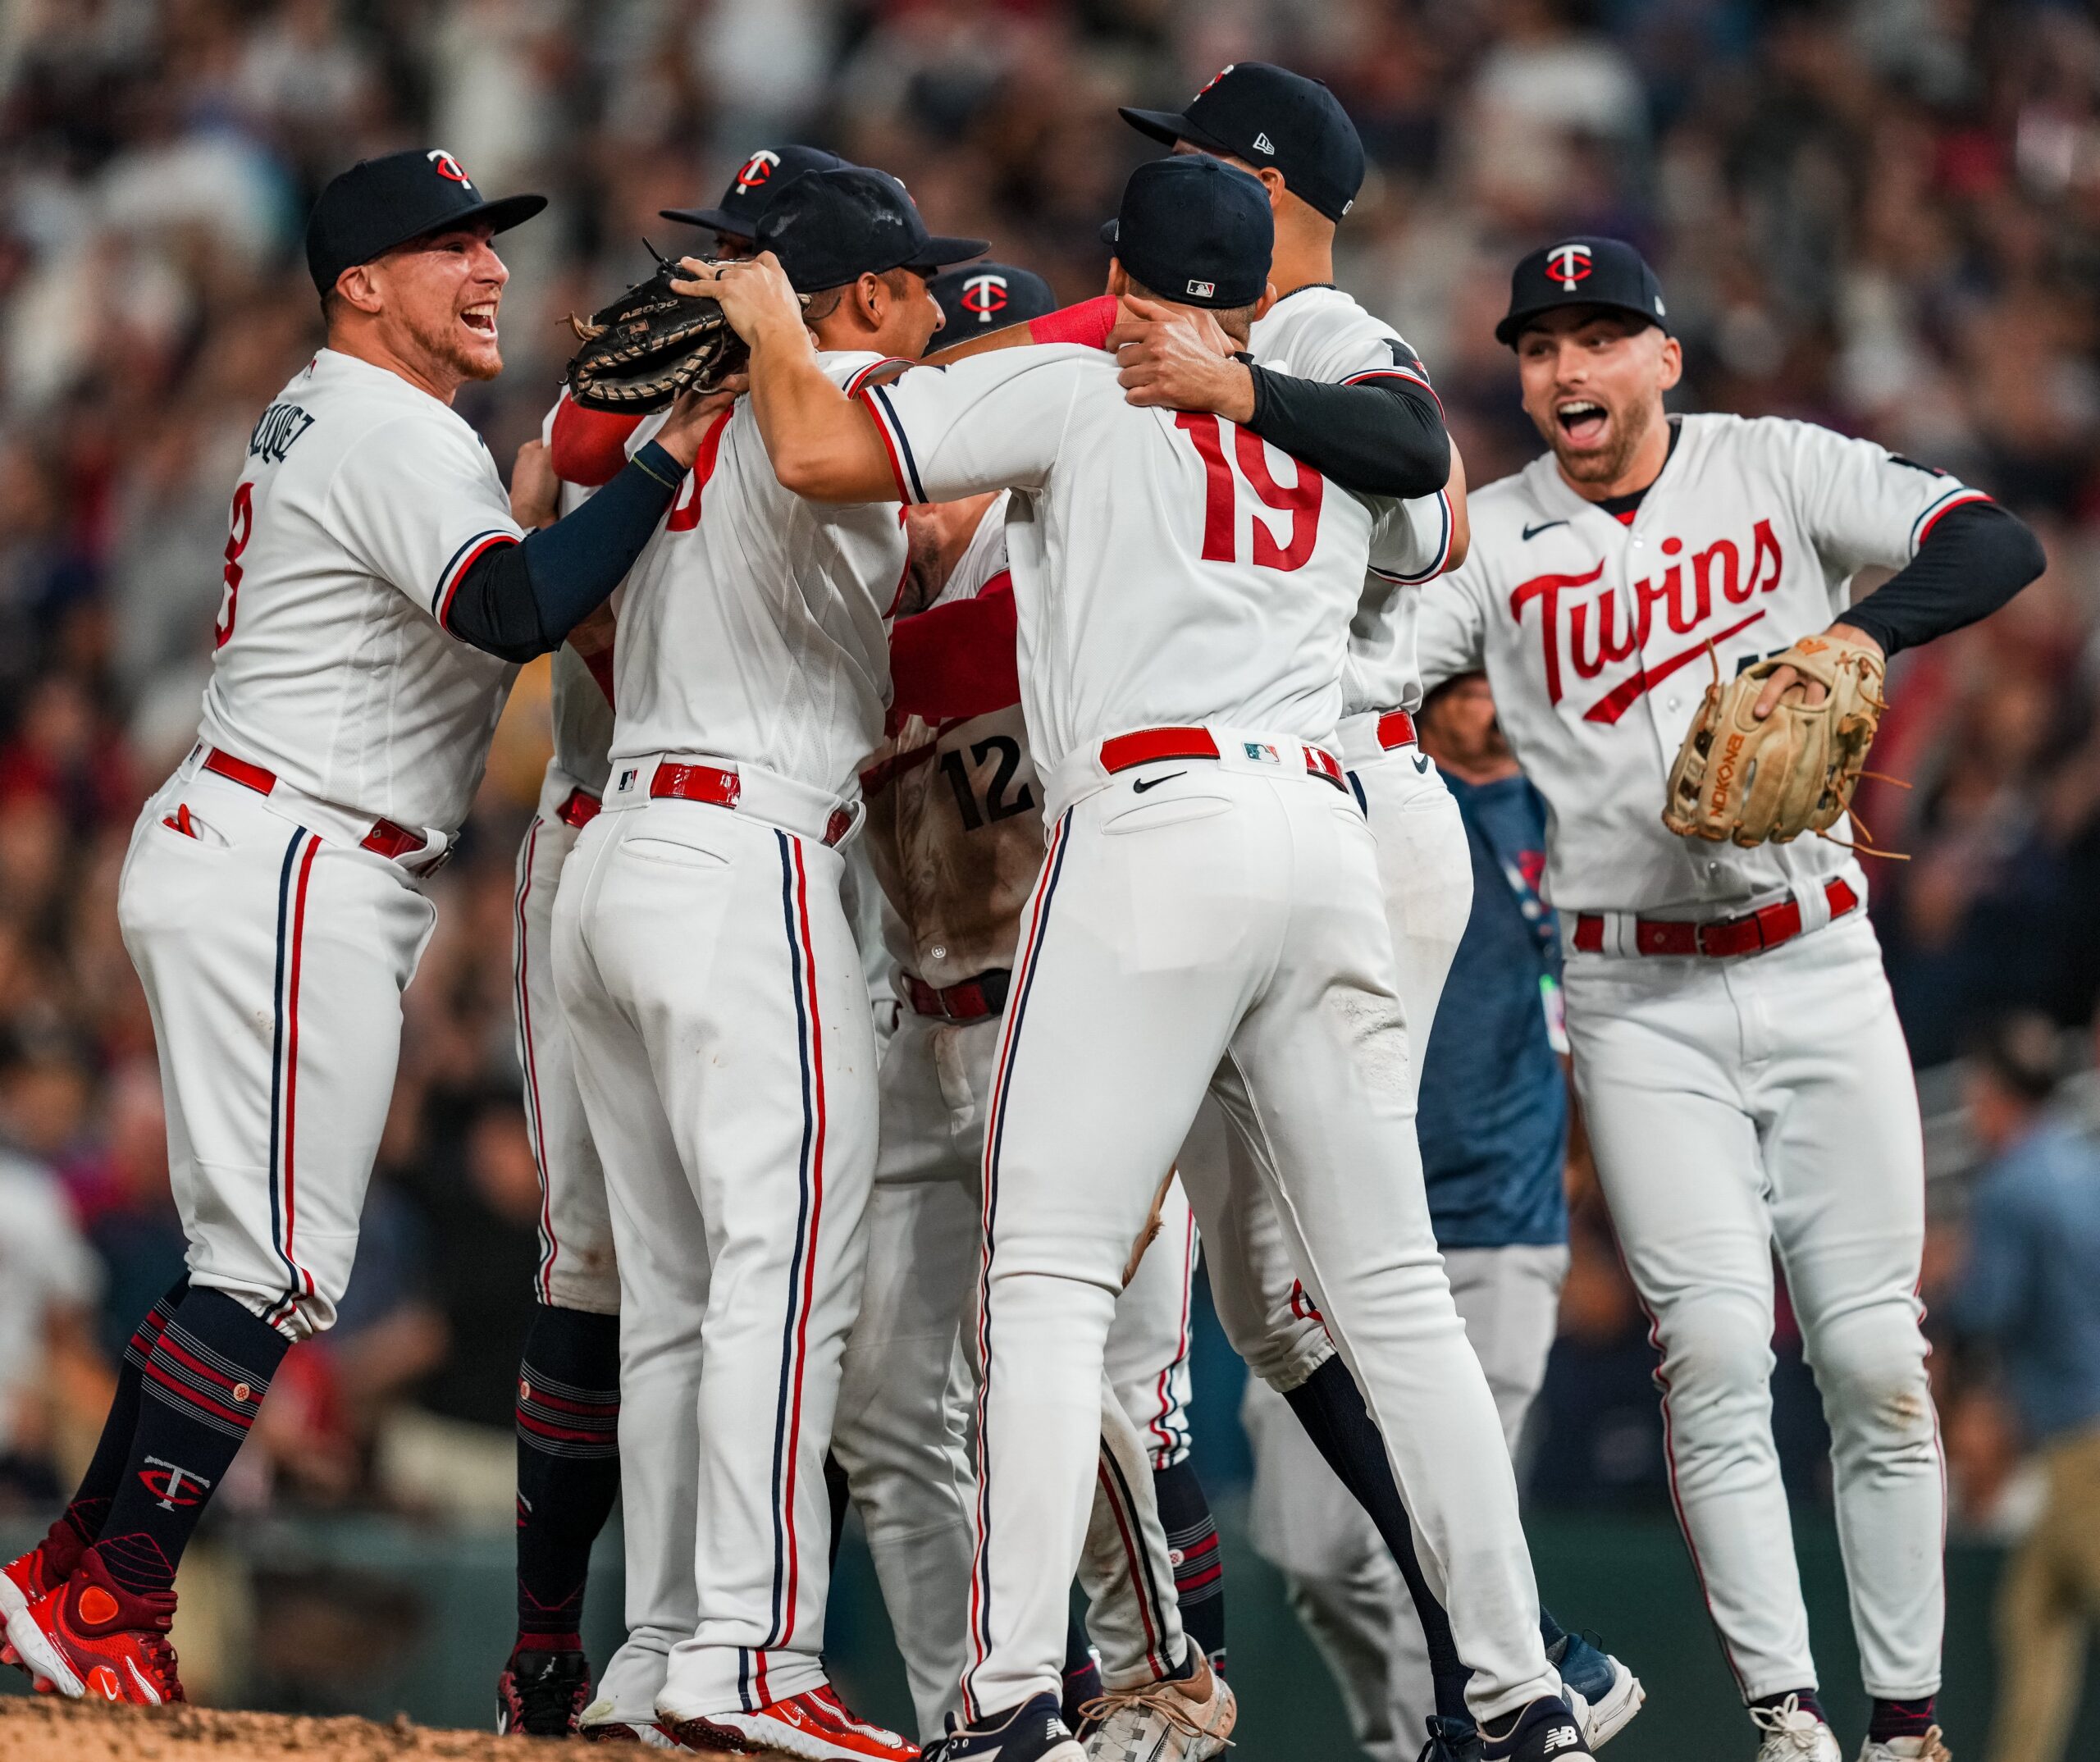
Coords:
pixel 1300 500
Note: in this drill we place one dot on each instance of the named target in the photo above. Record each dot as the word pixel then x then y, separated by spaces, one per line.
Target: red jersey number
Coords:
pixel 241 528
pixel 1300 499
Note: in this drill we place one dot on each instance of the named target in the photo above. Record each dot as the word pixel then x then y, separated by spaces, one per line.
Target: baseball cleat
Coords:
pixel 1186 1720
pixel 1031 1732
pixel 1603 1694
pixel 1794 1734
pixel 1545 1732
pixel 541 1694
pixel 30 1577
pixel 816 1726
pixel 1929 1747
pixel 1450 1740
pixel 89 1638
pixel 601 1723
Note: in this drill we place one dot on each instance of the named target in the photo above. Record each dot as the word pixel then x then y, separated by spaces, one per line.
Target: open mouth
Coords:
pixel 480 319
pixel 1582 420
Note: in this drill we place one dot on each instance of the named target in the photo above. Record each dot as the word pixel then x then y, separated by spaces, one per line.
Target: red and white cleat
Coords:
pixel 816 1726
pixel 91 1638
pixel 30 1577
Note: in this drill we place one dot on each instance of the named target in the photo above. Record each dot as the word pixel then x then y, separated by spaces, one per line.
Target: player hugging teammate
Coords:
pixel 1101 634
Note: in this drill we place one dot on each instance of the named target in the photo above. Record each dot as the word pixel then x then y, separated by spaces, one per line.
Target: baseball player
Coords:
pixel 955 832
pixel 1493 1130
pixel 1742 1072
pixel 378 592
pixel 1227 932
pixel 570 1419
pixel 713 990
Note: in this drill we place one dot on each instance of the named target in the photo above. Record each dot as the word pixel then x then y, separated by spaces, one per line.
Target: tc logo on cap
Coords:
pixel 757 169
pixel 984 295
pixel 1203 289
pixel 448 167
pixel 1568 264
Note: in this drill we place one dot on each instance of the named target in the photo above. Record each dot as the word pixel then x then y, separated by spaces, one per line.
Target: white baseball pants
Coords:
pixel 1224 928
pixel 273 951
pixel 1737 1107
pixel 1425 874
pixel 719 1016
pixel 910 1473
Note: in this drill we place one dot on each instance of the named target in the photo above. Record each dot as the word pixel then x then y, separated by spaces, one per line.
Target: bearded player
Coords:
pixel 1741 1071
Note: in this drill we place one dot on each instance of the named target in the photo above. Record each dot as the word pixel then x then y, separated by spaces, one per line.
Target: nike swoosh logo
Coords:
pixel 1543 526
pixel 1144 783
pixel 1421 764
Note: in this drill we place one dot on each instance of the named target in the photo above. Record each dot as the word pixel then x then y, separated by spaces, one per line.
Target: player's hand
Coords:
pixel 755 295
pixel 691 416
pixel 1175 360
pixel 534 490
pixel 1786 679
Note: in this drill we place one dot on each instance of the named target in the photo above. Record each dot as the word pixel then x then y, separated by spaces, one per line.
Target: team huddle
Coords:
pixel 1053 674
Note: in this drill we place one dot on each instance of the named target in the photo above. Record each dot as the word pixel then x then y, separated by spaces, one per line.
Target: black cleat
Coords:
pixel 1451 1741
pixel 540 1694
pixel 1034 1732
pixel 1543 1731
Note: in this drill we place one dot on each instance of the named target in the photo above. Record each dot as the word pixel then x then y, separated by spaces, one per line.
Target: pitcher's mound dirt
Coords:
pixel 44 1728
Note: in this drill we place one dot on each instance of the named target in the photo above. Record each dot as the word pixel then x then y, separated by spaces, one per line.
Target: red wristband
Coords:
pixel 1088 323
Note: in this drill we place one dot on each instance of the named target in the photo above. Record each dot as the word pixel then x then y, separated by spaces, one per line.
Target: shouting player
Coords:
pixel 714 991
pixel 1208 916
pixel 1741 1070
pixel 377 593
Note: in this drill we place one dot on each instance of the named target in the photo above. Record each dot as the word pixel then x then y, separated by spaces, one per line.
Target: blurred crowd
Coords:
pixel 1881 215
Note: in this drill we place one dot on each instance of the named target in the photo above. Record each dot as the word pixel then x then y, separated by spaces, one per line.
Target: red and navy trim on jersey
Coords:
pixel 1026 964
pixel 1960 496
pixel 293 881
pixel 1443 559
pixel 463 559
pixel 903 467
pixel 1151 1605
pixel 863 375
pixel 1168 1426
pixel 528 1059
pixel 1411 375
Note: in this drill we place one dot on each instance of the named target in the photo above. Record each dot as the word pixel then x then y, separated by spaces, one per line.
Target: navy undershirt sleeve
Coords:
pixel 1381 436
pixel 1975 559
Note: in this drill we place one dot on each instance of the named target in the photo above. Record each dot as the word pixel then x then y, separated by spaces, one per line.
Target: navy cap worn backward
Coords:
pixel 1267 115
pixel 1582 271
pixel 1196 231
pixel 761 177
pixel 380 204
pixel 828 228
pixel 981 298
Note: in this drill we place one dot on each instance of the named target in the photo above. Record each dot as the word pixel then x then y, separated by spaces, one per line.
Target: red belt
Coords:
pixel 1396 728
pixel 971 1001
pixel 721 788
pixel 579 809
pixel 1124 752
pixel 1751 933
pixel 388 839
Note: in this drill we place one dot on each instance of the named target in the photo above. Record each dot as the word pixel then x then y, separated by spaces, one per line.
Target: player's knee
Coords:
pixel 1870 1367
pixel 1716 1349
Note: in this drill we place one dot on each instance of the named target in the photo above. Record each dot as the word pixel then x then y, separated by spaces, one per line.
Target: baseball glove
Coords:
pixel 650 345
pixel 1739 779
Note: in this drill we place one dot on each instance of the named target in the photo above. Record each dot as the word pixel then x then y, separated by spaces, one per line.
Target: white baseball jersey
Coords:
pixel 361 503
pixel 1595 635
pixel 955 814
pixel 1320 333
pixel 1146 576
pixel 753 626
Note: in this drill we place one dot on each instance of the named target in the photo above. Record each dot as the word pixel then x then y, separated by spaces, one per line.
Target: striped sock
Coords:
pixel 105 1474
pixel 1899 1718
pixel 569 1467
pixel 203 1380
pixel 1198 1566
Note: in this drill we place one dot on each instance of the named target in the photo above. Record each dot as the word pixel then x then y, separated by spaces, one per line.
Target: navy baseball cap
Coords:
pixel 1582 272
pixel 380 204
pixel 982 298
pixel 1267 115
pixel 831 227
pixel 1196 231
pixel 758 181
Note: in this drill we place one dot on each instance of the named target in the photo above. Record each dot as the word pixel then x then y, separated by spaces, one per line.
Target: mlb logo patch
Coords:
pixel 1261 752
pixel 1203 289
pixel 626 780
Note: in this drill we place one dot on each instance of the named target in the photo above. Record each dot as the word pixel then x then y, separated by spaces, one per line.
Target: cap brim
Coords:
pixel 500 215
pixel 1170 126
pixel 718 220
pixel 937 253
pixel 1513 327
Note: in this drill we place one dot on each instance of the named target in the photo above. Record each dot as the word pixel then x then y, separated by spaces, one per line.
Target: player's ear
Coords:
pixel 1670 369
pixel 1268 299
pixel 872 299
pixel 1119 278
pixel 359 287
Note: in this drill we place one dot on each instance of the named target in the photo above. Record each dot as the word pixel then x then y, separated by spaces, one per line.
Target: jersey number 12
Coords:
pixel 1300 500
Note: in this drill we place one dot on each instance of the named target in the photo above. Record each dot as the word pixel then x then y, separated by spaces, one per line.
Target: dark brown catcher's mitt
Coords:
pixel 650 345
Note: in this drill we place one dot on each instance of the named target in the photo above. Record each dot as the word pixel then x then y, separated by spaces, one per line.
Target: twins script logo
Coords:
pixel 1568 264
pixel 448 167
pixel 1716 583
pixel 984 294
pixel 757 169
